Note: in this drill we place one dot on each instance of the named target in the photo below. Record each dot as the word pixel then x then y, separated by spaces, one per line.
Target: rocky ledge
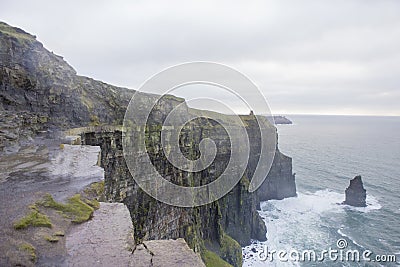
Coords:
pixel 356 194
pixel 107 240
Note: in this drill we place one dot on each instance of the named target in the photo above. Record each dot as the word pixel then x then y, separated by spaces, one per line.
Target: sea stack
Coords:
pixel 356 194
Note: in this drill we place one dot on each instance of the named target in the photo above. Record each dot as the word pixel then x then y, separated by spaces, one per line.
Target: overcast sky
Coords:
pixel 320 57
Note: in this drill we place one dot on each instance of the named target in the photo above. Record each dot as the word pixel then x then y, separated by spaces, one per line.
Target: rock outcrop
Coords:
pixel 280 182
pixel 38 90
pixel 356 194
pixel 282 120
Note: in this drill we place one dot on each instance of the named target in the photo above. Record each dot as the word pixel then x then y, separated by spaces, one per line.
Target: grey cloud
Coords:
pixel 304 55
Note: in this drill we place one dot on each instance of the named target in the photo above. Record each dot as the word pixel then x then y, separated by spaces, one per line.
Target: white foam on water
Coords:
pixel 302 223
pixel 372 204
pixel 340 232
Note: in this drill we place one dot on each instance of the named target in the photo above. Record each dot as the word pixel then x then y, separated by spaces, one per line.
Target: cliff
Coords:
pixel 222 226
pixel 39 91
pixel 281 120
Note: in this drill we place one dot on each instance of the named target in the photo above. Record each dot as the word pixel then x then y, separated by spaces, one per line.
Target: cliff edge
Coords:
pixel 107 240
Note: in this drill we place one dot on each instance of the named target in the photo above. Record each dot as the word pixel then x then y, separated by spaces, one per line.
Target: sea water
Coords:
pixel 327 152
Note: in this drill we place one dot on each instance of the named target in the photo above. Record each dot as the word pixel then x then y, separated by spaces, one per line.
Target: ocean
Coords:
pixel 327 152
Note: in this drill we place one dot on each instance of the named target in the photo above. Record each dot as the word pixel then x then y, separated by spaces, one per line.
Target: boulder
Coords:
pixel 356 194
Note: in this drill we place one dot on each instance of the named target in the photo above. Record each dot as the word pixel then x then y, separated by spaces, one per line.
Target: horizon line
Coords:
pixel 330 114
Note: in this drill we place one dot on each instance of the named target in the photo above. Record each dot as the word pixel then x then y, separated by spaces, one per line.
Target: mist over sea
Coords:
pixel 327 152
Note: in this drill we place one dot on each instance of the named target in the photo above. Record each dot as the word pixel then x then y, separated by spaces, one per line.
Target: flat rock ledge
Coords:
pixel 107 240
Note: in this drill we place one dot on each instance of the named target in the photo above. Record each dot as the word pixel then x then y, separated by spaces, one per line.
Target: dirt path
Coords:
pixel 42 166
pixel 106 240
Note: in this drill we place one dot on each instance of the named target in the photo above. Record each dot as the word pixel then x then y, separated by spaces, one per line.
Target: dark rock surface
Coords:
pixel 40 90
pixel 356 194
pixel 234 214
pixel 280 182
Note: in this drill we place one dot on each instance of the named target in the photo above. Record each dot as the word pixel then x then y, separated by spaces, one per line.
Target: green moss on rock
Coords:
pixel 33 218
pixel 211 259
pixel 173 98
pixel 75 208
pixel 92 203
pixel 231 251
pixel 94 120
pixel 51 238
pixel 26 247
pixel 97 191
pixel 59 233
pixel 15 32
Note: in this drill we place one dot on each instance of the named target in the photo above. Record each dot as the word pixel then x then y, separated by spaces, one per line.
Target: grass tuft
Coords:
pixel 92 203
pixel 33 218
pixel 96 190
pixel 59 233
pixel 51 238
pixel 75 209
pixel 30 249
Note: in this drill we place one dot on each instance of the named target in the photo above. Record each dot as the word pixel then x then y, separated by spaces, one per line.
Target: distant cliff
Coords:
pixel 40 91
pixel 281 120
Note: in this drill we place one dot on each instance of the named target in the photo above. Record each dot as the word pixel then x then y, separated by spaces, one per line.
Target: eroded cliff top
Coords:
pixel 15 32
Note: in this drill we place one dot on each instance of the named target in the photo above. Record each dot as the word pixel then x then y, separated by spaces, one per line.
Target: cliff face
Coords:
pixel 215 226
pixel 280 182
pixel 39 90
pixel 221 226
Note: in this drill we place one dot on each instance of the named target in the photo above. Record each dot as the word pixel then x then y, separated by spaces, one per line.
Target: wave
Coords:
pixel 251 258
pixel 320 201
pixel 372 204
pixel 340 232
pixel 307 221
